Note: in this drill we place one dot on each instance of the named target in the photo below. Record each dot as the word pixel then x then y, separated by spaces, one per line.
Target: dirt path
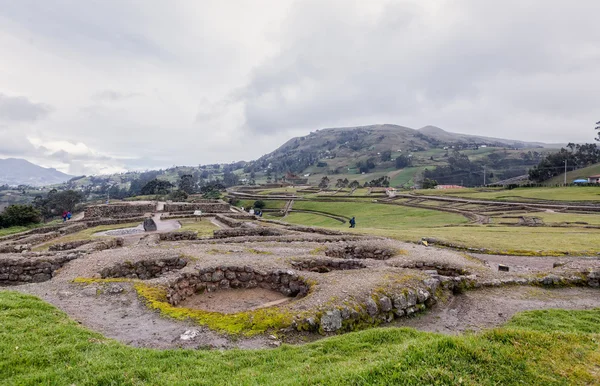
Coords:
pixel 481 309
pixel 122 316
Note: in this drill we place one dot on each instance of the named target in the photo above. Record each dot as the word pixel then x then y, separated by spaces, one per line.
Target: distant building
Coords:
pixel 595 179
pixel 294 179
pixel 449 187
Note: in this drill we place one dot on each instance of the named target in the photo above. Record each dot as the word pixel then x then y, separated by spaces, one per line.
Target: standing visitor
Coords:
pixel 352 222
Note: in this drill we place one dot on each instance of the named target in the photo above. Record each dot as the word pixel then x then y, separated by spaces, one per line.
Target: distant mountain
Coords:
pixel 15 171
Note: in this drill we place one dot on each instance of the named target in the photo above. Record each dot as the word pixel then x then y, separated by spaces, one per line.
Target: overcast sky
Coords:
pixel 99 86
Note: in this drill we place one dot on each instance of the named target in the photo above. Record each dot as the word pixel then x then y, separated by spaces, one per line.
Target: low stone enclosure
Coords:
pixel 118 210
pixel 32 267
pixel 212 279
pixel 144 269
pixel 213 206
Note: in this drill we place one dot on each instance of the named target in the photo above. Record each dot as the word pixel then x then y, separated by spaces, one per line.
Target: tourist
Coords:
pixel 64 215
pixel 352 222
pixel 69 215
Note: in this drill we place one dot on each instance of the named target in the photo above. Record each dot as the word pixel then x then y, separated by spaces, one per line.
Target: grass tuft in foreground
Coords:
pixel 40 345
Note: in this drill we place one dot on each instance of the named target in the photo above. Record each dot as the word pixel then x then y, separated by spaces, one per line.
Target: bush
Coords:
pixel 20 215
pixel 260 204
pixel 178 195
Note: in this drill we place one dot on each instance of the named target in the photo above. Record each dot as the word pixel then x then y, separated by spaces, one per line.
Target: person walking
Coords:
pixel 69 215
pixel 352 222
pixel 64 215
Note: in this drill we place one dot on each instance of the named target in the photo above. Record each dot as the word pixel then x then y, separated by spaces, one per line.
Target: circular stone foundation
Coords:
pixel 235 300
pixel 231 278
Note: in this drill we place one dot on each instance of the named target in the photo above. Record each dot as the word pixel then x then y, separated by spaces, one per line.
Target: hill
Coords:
pixel 574 174
pixel 368 152
pixel 15 171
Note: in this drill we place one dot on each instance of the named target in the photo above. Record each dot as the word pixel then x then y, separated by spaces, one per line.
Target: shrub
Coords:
pixel 19 215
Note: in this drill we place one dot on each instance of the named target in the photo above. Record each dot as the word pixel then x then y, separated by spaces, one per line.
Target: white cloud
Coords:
pixel 110 85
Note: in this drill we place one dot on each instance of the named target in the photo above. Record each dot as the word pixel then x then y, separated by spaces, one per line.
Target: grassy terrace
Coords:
pixel 568 193
pixel 202 227
pixel 86 234
pixel 40 345
pixel 411 224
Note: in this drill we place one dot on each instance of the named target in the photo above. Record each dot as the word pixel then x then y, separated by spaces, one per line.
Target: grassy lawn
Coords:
pixel 203 227
pixel 567 193
pixel 411 224
pixel 17 229
pixel 549 218
pixel 85 234
pixel 40 345
pixel 377 216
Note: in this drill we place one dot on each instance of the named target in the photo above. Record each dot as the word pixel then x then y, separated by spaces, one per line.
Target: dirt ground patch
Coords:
pixel 487 308
pixel 234 300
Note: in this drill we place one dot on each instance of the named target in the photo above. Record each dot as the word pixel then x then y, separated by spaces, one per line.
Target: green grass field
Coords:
pixel 568 193
pixel 40 345
pixel 202 227
pixel 411 224
pixel 575 174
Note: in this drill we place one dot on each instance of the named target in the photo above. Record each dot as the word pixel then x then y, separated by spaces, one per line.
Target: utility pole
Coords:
pixel 483 175
pixel 565 173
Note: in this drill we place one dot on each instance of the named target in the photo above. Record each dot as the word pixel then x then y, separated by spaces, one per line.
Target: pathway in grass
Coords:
pixel 492 307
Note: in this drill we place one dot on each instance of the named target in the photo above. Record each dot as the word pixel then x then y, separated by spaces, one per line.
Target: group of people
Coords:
pixel 66 215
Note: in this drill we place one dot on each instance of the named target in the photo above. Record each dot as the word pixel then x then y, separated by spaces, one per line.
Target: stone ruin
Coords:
pixel 213 279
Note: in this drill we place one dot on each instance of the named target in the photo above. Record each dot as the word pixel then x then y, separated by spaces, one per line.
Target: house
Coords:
pixel 595 179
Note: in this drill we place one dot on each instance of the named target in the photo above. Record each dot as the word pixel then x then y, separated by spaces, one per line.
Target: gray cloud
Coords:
pixel 113 96
pixel 21 109
pixel 208 81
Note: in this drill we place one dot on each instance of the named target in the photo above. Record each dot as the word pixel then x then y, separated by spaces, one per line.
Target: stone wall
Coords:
pixel 321 231
pixel 115 210
pixel 230 222
pixel 282 239
pixel 238 232
pixel 144 269
pixel 44 229
pixel 177 236
pixel 224 277
pixel 205 207
pixel 69 245
pixel 323 265
pixel 27 242
pixel 31 267
pixel 111 221
pixel 360 251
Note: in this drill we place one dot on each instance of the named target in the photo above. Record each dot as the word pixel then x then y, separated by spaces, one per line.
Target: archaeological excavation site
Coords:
pixel 206 274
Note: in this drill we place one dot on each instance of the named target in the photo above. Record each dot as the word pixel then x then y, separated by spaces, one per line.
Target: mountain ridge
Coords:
pixel 18 171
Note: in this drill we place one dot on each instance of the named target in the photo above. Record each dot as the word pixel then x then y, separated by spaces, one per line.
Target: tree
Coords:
pixel 259 204
pixel 178 195
pixel 429 184
pixel 187 183
pixel 324 182
pixel 20 215
pixel 354 185
pixel 156 186
pixel 386 155
pixel 403 161
pixel 598 128
pixel 341 183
